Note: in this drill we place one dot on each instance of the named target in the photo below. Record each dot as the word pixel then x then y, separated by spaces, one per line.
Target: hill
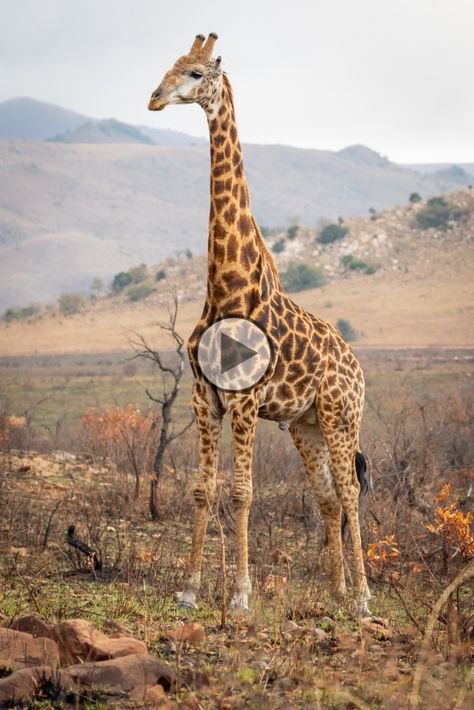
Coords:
pixel 106 131
pixel 28 118
pixel 419 291
pixel 72 211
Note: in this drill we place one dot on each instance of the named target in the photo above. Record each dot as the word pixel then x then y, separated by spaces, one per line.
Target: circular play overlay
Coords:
pixel 234 354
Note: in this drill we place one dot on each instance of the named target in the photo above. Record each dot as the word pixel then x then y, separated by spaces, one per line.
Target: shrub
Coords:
pixel 139 292
pixel 188 254
pixel 279 246
pixel 438 214
pixel 21 313
pixel 70 303
pixel 414 198
pixel 331 233
pixel 160 275
pixel 300 276
pixel 138 273
pixel 121 281
pixel 97 284
pixel 345 328
pixel 373 213
pixel 265 231
pixel 357 264
pixel 292 231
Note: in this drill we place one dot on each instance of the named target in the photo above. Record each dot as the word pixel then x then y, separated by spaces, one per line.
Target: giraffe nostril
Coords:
pixel 156 94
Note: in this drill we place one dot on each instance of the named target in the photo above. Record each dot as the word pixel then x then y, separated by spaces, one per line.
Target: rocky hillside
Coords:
pixel 72 211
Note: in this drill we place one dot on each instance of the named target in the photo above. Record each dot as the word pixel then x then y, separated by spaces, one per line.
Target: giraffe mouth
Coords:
pixel 156 105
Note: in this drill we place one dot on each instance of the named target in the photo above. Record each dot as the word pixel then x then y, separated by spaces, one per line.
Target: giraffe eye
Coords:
pixel 196 75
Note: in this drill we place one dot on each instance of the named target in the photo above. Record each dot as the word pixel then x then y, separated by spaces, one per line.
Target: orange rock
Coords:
pixel 20 650
pixel 137 676
pixel 33 624
pixel 23 684
pixel 80 641
pixel 192 632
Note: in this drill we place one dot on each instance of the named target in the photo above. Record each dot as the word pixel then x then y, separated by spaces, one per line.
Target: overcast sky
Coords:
pixel 396 75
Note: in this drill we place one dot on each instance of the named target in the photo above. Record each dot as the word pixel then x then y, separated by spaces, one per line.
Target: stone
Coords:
pixel 320 634
pixel 192 632
pixel 80 641
pixel 135 676
pixel 33 624
pixel 20 650
pixel 24 684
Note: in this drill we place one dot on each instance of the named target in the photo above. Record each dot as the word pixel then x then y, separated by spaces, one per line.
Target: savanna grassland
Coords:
pixel 297 647
pixel 78 436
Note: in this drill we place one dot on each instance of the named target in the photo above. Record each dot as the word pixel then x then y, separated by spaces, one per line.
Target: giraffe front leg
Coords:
pixel 243 411
pixel 209 428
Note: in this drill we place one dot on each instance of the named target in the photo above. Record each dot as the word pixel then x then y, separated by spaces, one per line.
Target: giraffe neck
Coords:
pixel 236 249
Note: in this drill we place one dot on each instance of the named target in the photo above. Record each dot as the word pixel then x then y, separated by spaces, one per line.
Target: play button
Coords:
pixel 234 354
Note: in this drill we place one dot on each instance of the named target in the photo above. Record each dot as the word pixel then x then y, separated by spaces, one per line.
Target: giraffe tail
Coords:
pixel 361 471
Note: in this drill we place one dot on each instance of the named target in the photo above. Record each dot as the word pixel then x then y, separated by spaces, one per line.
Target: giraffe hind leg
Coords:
pixel 313 449
pixel 342 445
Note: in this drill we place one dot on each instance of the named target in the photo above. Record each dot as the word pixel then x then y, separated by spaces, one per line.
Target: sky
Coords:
pixel 395 75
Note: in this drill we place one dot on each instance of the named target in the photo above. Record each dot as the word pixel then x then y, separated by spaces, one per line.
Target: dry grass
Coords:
pixel 418 438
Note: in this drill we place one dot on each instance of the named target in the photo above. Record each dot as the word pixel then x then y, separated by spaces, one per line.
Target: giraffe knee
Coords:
pixel 241 496
pixel 204 494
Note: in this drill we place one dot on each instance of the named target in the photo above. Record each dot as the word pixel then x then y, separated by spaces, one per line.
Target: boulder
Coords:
pixel 80 641
pixel 22 685
pixel 20 650
pixel 33 624
pixel 135 677
pixel 192 632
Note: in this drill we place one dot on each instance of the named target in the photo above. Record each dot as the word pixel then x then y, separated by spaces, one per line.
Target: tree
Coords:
pixel 140 292
pixel 414 198
pixel 70 303
pixel 278 246
pixel 331 233
pixel 346 329
pixel 189 254
pixel 171 379
pixel 97 284
pixel 292 231
pixel 438 214
pixel 121 281
pixel 300 276
pixel 138 273
pixel 160 275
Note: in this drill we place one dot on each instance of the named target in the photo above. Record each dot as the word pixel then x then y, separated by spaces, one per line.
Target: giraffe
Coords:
pixel 314 385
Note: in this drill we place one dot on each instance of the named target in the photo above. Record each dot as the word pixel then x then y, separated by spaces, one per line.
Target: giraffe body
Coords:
pixel 314 384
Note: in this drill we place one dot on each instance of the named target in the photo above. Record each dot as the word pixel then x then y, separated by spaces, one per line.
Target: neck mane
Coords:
pixel 237 253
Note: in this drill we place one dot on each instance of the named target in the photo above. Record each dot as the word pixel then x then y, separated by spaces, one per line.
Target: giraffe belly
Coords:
pixel 281 403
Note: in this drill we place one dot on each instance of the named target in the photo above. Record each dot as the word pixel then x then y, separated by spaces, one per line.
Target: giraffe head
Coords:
pixel 195 78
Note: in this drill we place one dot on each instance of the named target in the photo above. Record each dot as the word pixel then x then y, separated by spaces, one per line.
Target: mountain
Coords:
pixel 29 118
pixel 361 155
pixel 106 131
pixel 72 211
pixel 32 119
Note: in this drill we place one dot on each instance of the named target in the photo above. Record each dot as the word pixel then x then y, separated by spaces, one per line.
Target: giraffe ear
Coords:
pixel 218 66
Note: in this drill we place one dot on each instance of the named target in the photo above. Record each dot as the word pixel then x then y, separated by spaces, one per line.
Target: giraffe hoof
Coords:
pixel 364 610
pixel 239 605
pixel 185 600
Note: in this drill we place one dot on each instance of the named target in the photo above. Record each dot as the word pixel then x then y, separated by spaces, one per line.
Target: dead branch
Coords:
pixel 171 379
pixel 84 548
pixel 463 576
